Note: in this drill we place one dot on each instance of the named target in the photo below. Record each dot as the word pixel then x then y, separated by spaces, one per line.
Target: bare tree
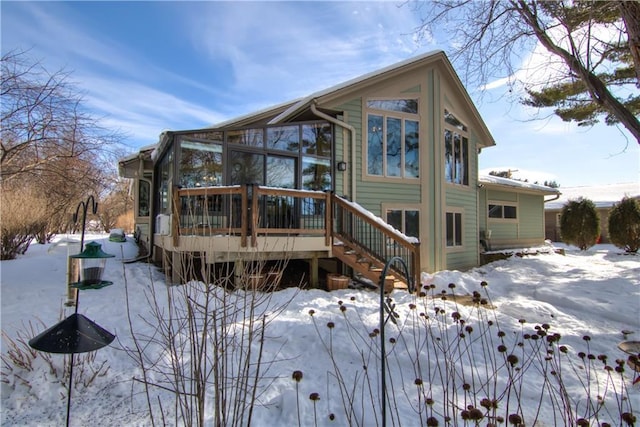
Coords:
pixel 48 142
pixel 490 39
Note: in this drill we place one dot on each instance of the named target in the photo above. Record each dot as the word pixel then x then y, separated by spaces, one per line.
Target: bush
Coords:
pixel 624 225
pixel 580 223
pixel 24 215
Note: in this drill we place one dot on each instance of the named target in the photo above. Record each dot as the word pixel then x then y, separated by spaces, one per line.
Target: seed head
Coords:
pixel 628 418
pixel 515 419
pixel 432 422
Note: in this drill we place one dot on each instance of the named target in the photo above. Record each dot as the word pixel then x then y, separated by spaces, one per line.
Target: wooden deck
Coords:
pixel 249 223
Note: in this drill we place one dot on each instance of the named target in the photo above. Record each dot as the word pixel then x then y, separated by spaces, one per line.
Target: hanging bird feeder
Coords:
pixel 92 262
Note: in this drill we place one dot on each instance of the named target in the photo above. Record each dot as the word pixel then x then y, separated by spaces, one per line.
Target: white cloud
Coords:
pixel 297 48
pixel 143 111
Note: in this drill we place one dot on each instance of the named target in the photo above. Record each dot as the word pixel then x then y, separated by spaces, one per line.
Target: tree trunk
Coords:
pixel 630 11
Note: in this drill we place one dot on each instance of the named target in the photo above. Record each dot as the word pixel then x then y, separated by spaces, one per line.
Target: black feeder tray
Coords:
pixel 75 334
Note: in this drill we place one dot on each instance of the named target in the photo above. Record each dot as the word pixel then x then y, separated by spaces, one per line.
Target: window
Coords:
pixel 501 211
pixel 144 195
pixel 285 138
pixel 316 139
pixel 165 177
pixel 250 137
pixel 281 172
pixel 400 105
pixel 316 174
pixel 200 164
pixel 454 229
pixel 393 139
pixel 456 150
pixel 405 220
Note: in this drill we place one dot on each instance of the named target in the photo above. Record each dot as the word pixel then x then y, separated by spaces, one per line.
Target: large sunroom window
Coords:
pixel 456 150
pixel 200 164
pixel 393 138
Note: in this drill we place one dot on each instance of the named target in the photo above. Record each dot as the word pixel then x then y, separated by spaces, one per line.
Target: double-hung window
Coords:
pixel 456 150
pixel 393 143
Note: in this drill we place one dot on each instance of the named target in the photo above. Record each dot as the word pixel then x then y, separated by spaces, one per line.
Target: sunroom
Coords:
pixel 239 195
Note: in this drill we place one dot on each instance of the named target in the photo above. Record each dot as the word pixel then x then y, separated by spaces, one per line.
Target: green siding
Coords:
pixel 466 198
pixel 505 196
pixel 531 217
pixel 371 194
pixel 528 229
pixel 482 210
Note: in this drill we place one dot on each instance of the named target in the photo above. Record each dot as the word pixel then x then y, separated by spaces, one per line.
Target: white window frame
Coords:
pixel 502 204
pixel 387 114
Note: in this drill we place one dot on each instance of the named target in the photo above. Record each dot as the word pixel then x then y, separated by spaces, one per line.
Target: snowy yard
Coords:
pixel 331 339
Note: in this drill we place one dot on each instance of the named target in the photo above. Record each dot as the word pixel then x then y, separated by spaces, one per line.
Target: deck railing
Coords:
pixel 251 211
pixel 358 229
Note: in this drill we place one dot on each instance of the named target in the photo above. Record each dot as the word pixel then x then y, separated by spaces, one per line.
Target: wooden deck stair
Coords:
pixel 365 265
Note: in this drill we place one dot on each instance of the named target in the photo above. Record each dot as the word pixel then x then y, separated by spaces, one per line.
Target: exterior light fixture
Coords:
pixel 92 263
pixel 342 166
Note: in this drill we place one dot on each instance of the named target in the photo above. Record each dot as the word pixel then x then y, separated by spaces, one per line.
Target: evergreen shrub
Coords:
pixel 580 223
pixel 624 225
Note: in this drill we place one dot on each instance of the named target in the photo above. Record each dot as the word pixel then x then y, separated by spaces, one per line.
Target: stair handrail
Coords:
pixel 412 247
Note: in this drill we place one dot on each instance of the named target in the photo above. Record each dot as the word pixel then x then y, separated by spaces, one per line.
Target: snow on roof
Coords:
pixel 147 149
pixel 603 196
pixel 491 179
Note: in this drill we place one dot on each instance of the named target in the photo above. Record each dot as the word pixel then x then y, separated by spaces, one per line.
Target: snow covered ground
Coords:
pixel 594 293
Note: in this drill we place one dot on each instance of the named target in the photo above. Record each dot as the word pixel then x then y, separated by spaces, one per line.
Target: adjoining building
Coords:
pixel 604 197
pixel 381 166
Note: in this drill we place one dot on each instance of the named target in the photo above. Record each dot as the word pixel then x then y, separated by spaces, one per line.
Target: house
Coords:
pixel 602 196
pixel 512 214
pixel 379 167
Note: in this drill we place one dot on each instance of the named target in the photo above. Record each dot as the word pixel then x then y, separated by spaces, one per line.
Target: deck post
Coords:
pixel 238 272
pixel 176 267
pixel 313 272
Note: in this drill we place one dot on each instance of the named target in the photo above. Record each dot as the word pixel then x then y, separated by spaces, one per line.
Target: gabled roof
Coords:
pixel 391 69
pixel 263 114
pixel 497 182
pixel 288 110
pixel 603 196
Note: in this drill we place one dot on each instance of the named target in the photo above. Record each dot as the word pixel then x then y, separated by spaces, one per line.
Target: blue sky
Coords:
pixel 145 67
